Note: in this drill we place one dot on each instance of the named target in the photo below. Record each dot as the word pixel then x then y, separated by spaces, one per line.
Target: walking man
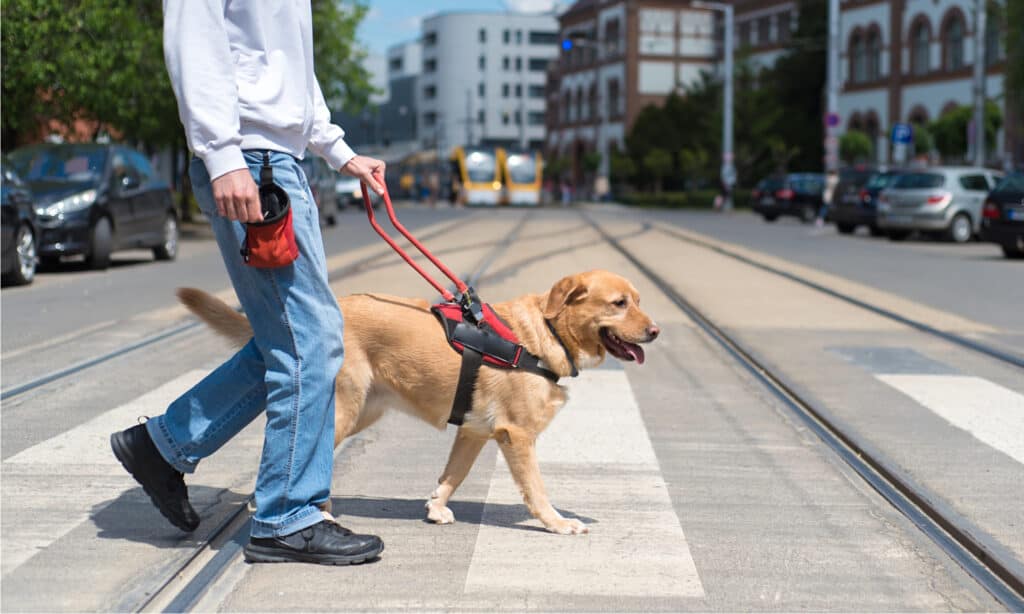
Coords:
pixel 247 95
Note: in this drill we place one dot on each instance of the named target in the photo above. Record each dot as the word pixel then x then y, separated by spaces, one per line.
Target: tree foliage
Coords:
pixel 102 61
pixel 950 130
pixel 854 146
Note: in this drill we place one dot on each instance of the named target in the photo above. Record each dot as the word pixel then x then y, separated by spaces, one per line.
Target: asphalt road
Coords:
pixel 701 491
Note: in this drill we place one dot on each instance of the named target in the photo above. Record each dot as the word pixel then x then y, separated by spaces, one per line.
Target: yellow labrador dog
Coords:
pixel 397 357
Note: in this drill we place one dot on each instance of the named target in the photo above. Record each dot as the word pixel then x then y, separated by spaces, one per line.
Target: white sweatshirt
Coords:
pixel 242 71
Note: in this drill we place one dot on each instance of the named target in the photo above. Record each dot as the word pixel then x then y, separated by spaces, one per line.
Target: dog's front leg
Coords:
pixel 520 453
pixel 464 452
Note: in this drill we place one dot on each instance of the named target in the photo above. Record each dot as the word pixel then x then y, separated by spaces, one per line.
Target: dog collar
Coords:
pixel 568 356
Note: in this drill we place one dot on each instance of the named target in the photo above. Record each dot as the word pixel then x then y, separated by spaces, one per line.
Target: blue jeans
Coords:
pixel 287 369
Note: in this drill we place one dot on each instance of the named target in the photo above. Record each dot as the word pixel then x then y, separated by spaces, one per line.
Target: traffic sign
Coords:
pixel 902 134
pixel 831 120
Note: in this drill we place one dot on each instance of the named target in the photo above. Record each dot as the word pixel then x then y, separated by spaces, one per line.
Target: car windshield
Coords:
pixel 856 177
pixel 521 168
pixel 773 183
pixel 1013 183
pixel 72 163
pixel 918 181
pixel 480 166
pixel 879 181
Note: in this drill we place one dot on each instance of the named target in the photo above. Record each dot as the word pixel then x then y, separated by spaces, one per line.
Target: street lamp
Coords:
pixel 728 170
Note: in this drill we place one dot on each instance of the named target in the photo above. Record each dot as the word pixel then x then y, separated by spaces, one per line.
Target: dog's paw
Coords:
pixel 439 514
pixel 567 526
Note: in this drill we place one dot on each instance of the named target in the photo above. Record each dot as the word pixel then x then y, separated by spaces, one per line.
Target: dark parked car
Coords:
pixel 19 229
pixel 798 194
pixel 1002 216
pixel 93 199
pixel 321 181
pixel 855 202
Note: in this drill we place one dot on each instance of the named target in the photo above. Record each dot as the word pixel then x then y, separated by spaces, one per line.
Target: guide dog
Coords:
pixel 397 357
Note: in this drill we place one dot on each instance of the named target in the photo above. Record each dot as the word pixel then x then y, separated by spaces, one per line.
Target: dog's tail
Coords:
pixel 217 314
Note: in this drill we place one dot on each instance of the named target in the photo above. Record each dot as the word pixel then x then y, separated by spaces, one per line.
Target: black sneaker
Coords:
pixel 325 542
pixel 164 484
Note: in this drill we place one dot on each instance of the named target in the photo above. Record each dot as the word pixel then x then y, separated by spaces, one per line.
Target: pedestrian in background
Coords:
pixel 248 97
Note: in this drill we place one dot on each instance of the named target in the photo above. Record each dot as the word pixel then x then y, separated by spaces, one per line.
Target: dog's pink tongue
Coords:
pixel 636 352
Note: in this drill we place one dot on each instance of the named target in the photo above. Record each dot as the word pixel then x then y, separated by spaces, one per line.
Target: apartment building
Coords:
pixel 482 79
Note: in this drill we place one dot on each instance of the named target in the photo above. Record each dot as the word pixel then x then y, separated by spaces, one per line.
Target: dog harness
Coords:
pixel 476 332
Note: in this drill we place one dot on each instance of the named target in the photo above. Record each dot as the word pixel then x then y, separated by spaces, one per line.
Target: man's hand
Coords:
pixel 368 170
pixel 237 196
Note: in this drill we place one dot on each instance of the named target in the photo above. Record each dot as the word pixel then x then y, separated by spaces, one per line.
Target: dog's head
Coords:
pixel 599 311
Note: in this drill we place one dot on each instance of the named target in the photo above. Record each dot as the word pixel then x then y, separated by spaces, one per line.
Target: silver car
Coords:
pixel 944 200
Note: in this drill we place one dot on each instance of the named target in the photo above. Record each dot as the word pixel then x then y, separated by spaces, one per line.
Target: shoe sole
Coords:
pixel 124 455
pixel 261 554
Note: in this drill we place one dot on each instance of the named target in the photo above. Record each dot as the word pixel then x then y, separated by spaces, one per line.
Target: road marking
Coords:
pixel 988 411
pixel 75 468
pixel 598 463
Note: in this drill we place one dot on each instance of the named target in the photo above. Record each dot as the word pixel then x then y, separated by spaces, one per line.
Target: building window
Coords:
pixel 429 39
pixel 430 92
pixel 539 64
pixel 506 63
pixel 519 37
pixel 505 118
pixel 613 98
pixel 920 41
pixel 430 65
pixel 764 29
pixel 395 65
pixel 993 44
pixel 858 59
pixel 535 118
pixel 536 91
pixel 611 37
pixel 543 38
pixel 481 116
pixel 745 34
pixel 482 35
pixel 519 64
pixel 481 62
pixel 429 119
pixel 504 90
pixel 592 109
pixel 953 43
pixel 579 104
pixel 566 109
pixel 505 36
pixel 480 90
pixel 519 91
pixel 785 26
pixel 874 56
pixel 518 117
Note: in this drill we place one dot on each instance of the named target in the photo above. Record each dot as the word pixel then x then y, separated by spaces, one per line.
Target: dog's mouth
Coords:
pixel 621 349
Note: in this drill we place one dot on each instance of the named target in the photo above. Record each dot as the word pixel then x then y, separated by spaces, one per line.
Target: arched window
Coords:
pixel 855 122
pixel 918 116
pixel 858 58
pixel 871 128
pixel 874 55
pixel 920 41
pixel 953 42
pixel 567 115
pixel 580 108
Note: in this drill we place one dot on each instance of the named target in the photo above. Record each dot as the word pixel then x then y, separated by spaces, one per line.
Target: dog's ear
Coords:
pixel 568 290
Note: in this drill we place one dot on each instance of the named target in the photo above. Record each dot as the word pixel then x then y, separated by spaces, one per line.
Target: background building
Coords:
pixel 483 77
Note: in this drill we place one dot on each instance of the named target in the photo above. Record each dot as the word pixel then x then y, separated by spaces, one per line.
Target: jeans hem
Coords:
pixel 166 446
pixel 304 518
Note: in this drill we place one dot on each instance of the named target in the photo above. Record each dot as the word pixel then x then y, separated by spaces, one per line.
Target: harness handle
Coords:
pixel 459 284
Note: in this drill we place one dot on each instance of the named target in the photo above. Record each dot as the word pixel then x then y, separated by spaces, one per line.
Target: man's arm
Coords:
pixel 199 63
pixel 328 142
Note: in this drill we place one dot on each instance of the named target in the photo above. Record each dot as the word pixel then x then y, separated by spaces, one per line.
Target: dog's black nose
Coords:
pixel 652 332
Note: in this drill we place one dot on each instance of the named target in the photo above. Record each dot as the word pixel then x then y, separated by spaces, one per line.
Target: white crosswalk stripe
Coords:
pixel 76 465
pixel 597 462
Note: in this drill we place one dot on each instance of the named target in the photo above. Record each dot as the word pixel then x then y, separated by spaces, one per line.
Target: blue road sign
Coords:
pixel 902 134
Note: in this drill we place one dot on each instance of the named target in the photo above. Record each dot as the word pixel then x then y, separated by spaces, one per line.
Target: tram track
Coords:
pixel 992 573
pixel 185 587
pixel 185 325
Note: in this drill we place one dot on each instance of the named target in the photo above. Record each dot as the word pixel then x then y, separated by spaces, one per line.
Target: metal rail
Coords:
pixel 958 544
pixel 988 350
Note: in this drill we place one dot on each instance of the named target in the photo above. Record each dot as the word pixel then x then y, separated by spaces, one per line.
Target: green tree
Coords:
pixel 1012 18
pixel 622 167
pixel 693 163
pixel 854 146
pixel 337 56
pixel 658 163
pixel 950 130
pixel 924 142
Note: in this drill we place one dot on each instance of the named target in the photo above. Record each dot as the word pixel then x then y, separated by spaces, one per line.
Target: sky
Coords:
pixel 394 21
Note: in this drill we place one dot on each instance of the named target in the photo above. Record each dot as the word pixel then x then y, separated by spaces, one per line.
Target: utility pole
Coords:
pixel 832 104
pixel 728 170
pixel 979 83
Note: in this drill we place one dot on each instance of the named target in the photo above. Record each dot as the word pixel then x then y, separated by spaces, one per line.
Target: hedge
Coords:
pixel 693 199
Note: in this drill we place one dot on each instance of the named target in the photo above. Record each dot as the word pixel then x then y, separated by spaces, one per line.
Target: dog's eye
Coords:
pixel 621 303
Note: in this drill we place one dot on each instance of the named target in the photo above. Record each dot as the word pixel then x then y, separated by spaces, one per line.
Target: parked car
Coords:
pixel 1002 216
pixel 349 191
pixel 94 199
pixel 856 200
pixel 798 194
pixel 19 228
pixel 941 200
pixel 321 180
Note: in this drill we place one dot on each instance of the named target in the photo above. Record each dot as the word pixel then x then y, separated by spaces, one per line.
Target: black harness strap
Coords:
pixel 471 361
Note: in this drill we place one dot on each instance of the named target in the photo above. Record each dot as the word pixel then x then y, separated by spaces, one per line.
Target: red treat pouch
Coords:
pixel 271 243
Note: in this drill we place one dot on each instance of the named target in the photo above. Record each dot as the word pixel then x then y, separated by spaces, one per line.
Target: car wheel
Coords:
pixel 26 259
pixel 846 229
pixel 897 235
pixel 768 217
pixel 960 229
pixel 876 231
pixel 168 250
pixel 808 213
pixel 1013 252
pixel 100 245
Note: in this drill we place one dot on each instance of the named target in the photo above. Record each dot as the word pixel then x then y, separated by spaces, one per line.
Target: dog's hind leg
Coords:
pixel 466 448
pixel 518 446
